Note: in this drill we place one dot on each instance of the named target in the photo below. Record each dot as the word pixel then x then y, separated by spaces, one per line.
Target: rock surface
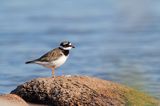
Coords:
pixel 11 100
pixel 80 91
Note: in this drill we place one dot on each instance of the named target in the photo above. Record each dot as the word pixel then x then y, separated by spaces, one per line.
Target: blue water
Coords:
pixel 115 40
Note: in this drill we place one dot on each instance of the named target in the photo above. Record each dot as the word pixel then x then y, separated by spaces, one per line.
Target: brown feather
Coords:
pixel 51 55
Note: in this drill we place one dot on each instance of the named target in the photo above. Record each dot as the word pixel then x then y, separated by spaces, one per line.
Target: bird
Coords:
pixel 54 58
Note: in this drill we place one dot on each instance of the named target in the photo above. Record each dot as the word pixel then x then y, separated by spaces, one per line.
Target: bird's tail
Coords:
pixel 29 62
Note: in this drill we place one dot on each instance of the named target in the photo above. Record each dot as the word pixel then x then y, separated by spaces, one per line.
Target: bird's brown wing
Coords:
pixel 50 56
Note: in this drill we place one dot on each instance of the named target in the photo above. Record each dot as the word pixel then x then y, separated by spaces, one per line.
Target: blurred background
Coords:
pixel 115 40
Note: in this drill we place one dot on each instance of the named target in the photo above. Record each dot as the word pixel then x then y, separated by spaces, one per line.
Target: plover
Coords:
pixel 54 58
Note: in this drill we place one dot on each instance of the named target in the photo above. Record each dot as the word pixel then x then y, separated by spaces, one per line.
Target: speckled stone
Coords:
pixel 76 91
pixel 68 91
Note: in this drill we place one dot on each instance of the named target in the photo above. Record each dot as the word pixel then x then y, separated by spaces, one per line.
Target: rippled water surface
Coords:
pixel 115 40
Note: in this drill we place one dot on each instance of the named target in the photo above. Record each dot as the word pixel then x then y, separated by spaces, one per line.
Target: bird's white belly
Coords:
pixel 59 61
pixel 55 63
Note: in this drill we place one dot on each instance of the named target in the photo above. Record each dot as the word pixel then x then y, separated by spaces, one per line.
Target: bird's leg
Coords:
pixel 53 72
pixel 63 73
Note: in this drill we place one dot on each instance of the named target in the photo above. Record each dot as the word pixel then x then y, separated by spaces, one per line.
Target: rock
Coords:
pixel 11 100
pixel 80 91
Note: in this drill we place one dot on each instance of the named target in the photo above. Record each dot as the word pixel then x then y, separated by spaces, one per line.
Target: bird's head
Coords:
pixel 66 45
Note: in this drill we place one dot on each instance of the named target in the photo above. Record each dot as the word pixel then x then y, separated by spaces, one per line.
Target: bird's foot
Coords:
pixel 53 76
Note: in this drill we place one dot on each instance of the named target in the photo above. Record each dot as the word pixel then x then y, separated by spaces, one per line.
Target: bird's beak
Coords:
pixel 72 46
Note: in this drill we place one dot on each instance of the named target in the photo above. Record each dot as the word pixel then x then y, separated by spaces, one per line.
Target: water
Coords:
pixel 115 40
